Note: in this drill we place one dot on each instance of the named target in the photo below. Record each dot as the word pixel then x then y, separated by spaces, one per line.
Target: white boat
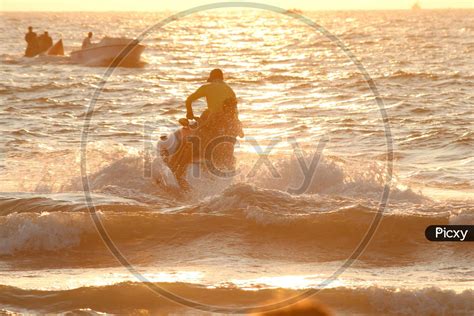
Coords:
pixel 119 51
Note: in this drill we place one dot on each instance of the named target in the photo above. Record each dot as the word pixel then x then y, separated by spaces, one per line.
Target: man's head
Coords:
pixel 89 35
pixel 30 28
pixel 216 74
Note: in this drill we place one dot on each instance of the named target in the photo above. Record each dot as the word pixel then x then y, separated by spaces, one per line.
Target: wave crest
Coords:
pixel 136 297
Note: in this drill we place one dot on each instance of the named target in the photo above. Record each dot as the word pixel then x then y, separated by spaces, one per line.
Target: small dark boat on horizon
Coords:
pixel 416 6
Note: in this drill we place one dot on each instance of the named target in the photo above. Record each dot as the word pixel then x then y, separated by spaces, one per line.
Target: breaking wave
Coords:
pixel 133 208
pixel 248 213
pixel 137 298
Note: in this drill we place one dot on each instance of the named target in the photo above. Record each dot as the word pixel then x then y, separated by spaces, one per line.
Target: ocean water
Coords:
pixel 245 241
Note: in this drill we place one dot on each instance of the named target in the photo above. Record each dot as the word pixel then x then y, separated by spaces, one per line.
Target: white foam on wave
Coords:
pixel 42 231
pixel 127 168
pixel 264 217
pixel 464 217
pixel 426 301
pixel 335 176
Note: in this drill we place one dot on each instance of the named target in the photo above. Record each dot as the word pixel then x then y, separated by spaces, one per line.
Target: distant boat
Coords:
pixel 416 6
pixel 124 51
pixel 294 11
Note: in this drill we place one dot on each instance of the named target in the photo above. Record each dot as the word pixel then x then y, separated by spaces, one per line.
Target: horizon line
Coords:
pixel 174 10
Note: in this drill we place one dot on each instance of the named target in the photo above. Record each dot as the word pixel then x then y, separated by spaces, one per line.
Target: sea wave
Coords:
pixel 332 176
pixel 43 87
pixel 137 297
pixel 336 211
pixel 18 59
pixel 41 232
pixel 401 74
pixel 247 213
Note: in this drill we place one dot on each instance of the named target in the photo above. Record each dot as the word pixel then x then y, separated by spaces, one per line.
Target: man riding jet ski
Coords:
pixel 211 137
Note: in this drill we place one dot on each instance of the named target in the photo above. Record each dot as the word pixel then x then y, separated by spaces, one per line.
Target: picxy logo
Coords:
pixel 450 233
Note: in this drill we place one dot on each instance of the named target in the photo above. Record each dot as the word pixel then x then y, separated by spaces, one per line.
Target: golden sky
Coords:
pixel 161 5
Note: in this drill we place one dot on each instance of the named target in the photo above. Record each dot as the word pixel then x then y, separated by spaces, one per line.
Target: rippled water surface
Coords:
pixel 293 83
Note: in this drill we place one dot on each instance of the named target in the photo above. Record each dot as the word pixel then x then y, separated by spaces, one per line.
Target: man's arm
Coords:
pixel 199 93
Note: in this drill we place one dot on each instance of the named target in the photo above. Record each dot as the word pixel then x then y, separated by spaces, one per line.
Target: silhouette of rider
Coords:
pixel 219 125
pixel 45 42
pixel 216 92
pixel 32 48
pixel 87 41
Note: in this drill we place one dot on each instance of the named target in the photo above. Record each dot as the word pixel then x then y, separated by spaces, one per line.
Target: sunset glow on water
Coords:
pixel 248 240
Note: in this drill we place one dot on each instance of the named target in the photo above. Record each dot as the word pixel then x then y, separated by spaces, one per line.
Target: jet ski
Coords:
pixel 177 152
pixel 187 150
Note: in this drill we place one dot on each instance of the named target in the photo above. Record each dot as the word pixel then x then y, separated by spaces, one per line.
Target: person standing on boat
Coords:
pixel 32 48
pixel 87 41
pixel 45 42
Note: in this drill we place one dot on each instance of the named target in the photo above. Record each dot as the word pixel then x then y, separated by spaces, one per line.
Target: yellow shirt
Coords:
pixel 216 92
